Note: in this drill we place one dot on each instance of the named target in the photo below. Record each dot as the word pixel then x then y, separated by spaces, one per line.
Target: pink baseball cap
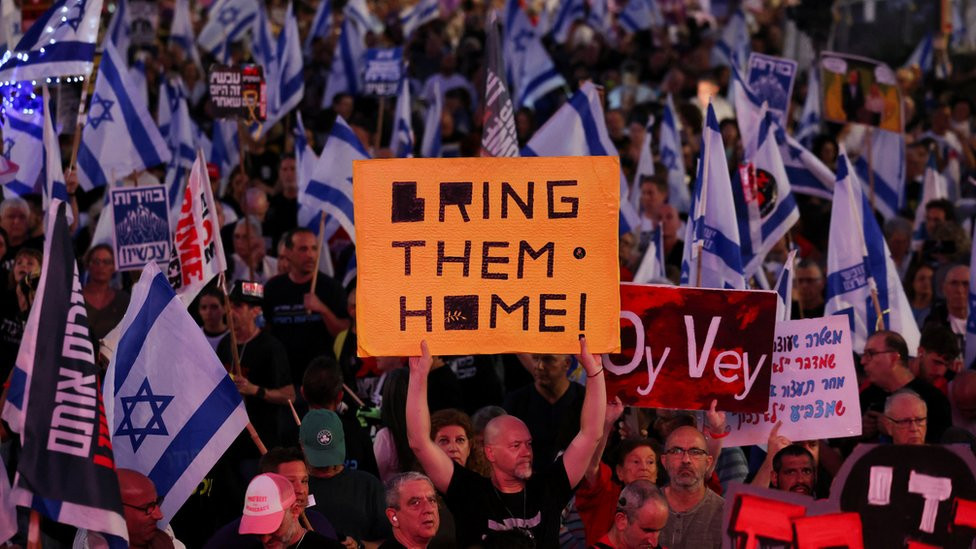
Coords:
pixel 269 496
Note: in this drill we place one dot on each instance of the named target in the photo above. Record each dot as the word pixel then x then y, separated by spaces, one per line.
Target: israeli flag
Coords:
pixel 60 43
pixel 568 13
pixel 430 146
pixel 807 173
pixel 645 165
pixel 530 69
pixel 23 143
pixel 225 148
pixel 579 129
pixel 651 268
pixel 858 261
pixel 934 187
pixel 640 15
pixel 887 154
pixel 181 32
pixel 52 172
pixel 120 136
pixel 118 28
pixel 330 188
pixel 922 55
pixel 348 62
pixel 8 170
pixel 673 158
pixel 289 86
pixel 784 289
pixel 765 207
pixel 599 16
pixel 809 125
pixel 712 235
pixel 169 430
pixel 182 141
pixel 358 11
pixel 732 47
pixel 415 16
pixel 321 26
pixel 402 138
pixel 748 111
pixel 227 22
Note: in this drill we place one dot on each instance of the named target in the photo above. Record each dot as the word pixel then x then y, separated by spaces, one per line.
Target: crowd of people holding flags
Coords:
pixel 203 388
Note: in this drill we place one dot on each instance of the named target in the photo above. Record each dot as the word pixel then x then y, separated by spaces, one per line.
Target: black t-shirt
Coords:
pixel 12 321
pixel 263 363
pixel 479 508
pixel 553 426
pixel 303 334
pixel 354 502
pixel 314 540
pixel 939 417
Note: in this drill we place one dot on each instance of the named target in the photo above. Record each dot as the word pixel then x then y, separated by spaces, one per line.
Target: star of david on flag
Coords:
pixel 105 114
pixel 154 425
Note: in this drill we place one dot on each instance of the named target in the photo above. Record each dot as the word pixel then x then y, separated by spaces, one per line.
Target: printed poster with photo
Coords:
pixel 862 90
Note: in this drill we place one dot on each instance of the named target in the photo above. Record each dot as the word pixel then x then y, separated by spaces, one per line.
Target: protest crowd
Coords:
pixel 211 392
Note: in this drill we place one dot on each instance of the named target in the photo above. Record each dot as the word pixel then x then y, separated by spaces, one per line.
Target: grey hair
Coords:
pixel 253 222
pixel 636 494
pixel 14 202
pixel 904 393
pixel 393 486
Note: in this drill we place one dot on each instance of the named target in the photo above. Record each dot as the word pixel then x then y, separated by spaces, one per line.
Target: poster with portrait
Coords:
pixel 862 90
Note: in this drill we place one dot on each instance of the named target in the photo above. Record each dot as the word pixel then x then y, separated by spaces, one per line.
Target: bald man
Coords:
pixel 642 512
pixel 695 520
pixel 513 498
pixel 140 505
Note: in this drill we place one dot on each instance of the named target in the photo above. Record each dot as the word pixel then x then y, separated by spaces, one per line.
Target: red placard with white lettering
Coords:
pixel 683 347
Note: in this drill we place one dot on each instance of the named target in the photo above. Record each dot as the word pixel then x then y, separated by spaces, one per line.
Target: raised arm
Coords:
pixel 715 431
pixel 775 443
pixel 614 409
pixel 435 462
pixel 580 450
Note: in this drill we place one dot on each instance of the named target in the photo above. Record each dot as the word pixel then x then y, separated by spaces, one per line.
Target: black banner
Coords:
pixel 238 92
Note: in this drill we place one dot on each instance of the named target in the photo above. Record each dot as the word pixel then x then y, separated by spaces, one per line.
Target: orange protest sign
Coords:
pixel 487 255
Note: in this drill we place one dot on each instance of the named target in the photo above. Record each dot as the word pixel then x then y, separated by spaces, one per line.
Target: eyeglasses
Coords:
pixel 680 452
pixel 148 508
pixel 871 353
pixel 908 421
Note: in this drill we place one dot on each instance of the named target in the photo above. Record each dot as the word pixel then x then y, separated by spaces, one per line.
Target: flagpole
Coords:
pixel 318 257
pixel 880 324
pixel 379 127
pixel 76 142
pixel 870 156
pixel 700 205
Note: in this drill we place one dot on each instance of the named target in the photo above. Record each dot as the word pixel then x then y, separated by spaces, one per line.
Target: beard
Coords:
pixel 523 471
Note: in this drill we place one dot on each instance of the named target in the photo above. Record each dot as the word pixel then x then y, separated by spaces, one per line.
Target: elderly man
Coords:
pixel 411 507
pixel 695 520
pixel 513 498
pixel 794 470
pixel 271 512
pixel 885 362
pixel 642 513
pixel 954 310
pixel 905 415
pixel 140 504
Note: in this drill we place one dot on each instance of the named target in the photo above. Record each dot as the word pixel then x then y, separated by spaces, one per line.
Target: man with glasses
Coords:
pixel 905 416
pixel 141 507
pixel 885 362
pixel 695 519
pixel 411 507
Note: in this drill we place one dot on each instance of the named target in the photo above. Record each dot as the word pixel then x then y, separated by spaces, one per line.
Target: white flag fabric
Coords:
pixel 530 69
pixel 807 173
pixel 23 145
pixel 858 260
pixel 52 172
pixel 764 203
pixel 167 428
pixel 673 158
pixel 182 139
pixel 60 43
pixel 330 188
pixel 640 15
pixel 119 136
pixel 934 187
pixel 198 254
pixel 579 129
pixel 651 268
pixel 645 165
pixel 227 22
pixel 413 17
pixel 784 289
pixel 321 25
pixel 809 125
pixel 348 62
pixel 181 32
pixel 225 151
pixel 117 32
pixel 712 235
pixel 430 144
pixel 887 163
pixel 401 137
pixel 282 62
pixel 569 12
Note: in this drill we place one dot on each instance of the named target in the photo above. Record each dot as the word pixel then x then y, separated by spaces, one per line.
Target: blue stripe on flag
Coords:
pixel 782 211
pixel 159 296
pixel 91 165
pixel 537 82
pixel 345 134
pixel 141 139
pixel 348 64
pixel 50 508
pixel 581 103
pixel 23 126
pixel 15 393
pixel 331 195
pixel 196 432
pixel 58 52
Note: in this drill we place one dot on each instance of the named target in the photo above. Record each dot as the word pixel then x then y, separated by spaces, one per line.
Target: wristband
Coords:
pixel 598 372
pixel 260 393
pixel 719 435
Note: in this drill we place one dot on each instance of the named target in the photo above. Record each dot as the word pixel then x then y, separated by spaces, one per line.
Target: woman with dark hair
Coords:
pixel 452 431
pixel 15 304
pixel 919 290
pixel 105 304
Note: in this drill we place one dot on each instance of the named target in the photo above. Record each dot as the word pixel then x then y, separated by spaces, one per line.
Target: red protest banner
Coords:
pixel 683 347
